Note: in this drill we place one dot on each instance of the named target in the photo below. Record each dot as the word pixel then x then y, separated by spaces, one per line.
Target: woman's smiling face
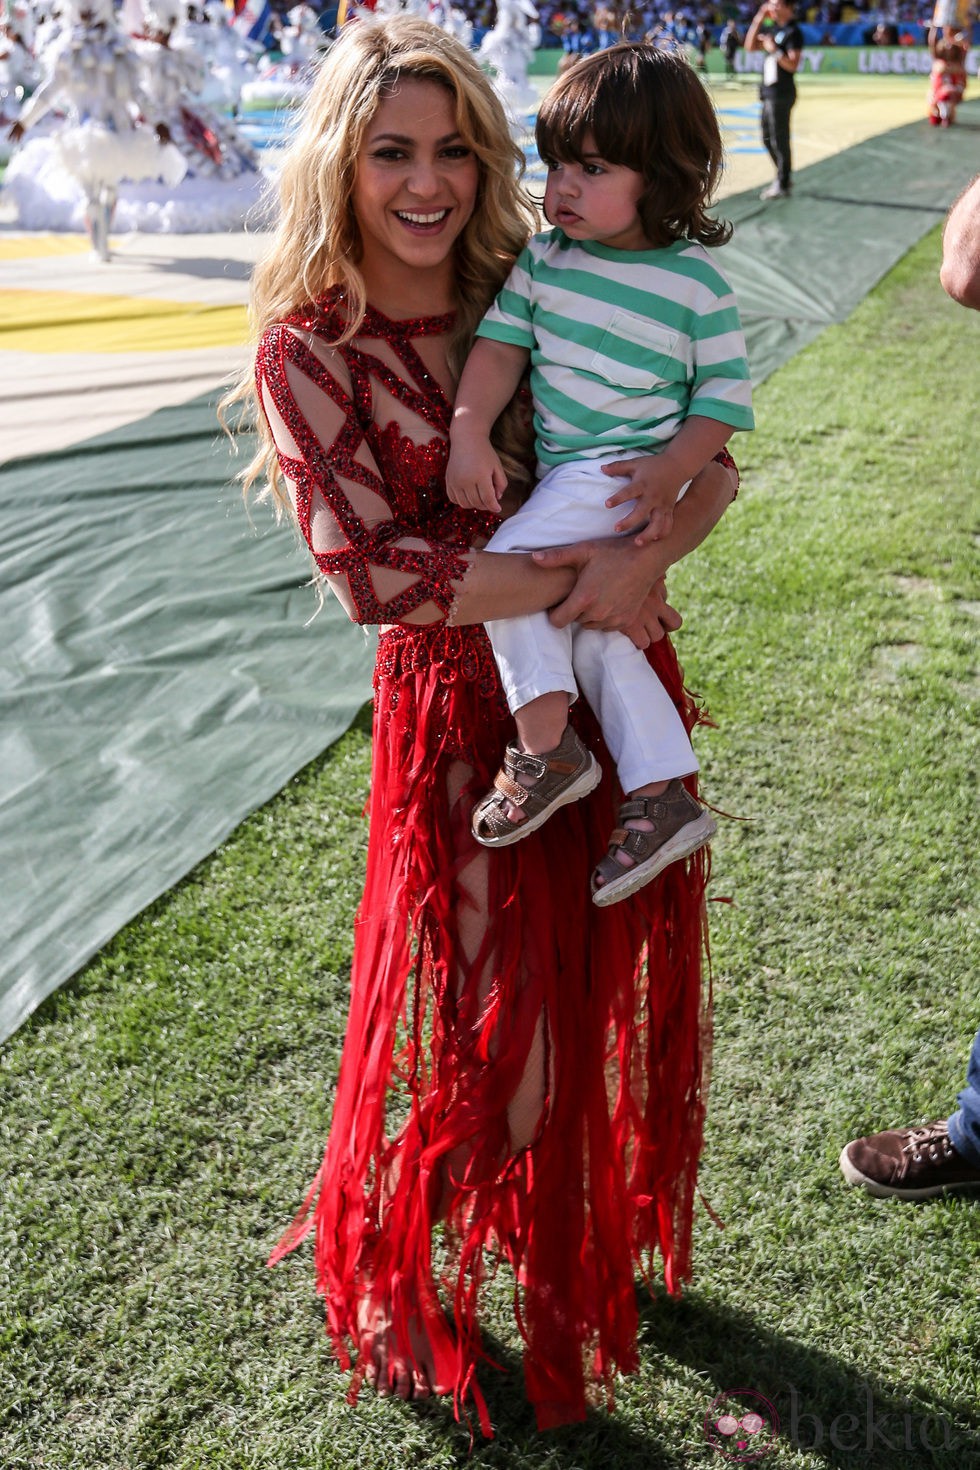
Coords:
pixel 416 183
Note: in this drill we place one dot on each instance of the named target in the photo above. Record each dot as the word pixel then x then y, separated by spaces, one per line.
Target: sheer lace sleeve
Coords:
pixel 370 502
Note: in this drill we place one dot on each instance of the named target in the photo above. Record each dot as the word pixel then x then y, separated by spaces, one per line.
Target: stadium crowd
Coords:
pixel 600 23
pixel 583 26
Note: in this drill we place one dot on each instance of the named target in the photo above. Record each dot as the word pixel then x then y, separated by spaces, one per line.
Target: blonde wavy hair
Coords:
pixel 316 245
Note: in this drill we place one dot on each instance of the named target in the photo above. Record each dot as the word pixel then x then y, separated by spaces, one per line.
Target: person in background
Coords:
pixel 730 41
pixel 574 41
pixel 702 42
pixel 95 90
pixel 947 78
pixel 959 273
pixel 919 1162
pixel 774 30
pixel 606 26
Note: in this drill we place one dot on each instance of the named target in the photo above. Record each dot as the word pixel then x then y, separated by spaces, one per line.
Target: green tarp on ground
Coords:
pixel 158 679
pixel 801 263
pixel 157 682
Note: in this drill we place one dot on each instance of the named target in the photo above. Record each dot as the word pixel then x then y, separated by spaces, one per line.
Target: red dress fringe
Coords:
pixel 610 1178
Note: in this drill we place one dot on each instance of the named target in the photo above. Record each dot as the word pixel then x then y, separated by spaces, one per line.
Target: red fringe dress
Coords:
pixel 481 979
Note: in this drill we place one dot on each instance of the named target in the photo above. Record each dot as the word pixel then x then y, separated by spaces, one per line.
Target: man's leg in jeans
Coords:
pixel 964 1126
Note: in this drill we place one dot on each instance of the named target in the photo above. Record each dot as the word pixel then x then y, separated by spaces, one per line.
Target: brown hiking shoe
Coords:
pixel 908 1163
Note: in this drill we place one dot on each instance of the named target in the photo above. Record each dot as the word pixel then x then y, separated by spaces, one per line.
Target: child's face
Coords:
pixel 595 200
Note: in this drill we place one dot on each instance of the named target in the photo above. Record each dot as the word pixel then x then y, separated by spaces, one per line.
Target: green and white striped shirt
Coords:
pixel 624 344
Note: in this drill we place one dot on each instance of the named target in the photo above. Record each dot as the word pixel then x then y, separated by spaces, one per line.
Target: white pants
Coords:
pixel 644 732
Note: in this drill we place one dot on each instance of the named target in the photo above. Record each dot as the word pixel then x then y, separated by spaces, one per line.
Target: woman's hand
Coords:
pixel 615 579
pixel 605 584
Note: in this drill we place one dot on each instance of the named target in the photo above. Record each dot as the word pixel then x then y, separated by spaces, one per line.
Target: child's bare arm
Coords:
pixel 654 481
pixel 474 476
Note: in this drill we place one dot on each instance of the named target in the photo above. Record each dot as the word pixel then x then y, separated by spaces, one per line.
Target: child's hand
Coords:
pixel 475 477
pixel 654 488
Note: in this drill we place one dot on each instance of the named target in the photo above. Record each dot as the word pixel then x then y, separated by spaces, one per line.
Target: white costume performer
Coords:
pixel 286 83
pixel 18 71
pixel 302 38
pixel 120 96
pixel 94 81
pixel 49 26
pixel 381 8
pixel 173 78
pixel 509 48
pixel 230 60
pixel 454 22
pixel 17 21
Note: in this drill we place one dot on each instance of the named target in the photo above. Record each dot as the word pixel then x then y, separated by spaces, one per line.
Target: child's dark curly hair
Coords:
pixel 645 109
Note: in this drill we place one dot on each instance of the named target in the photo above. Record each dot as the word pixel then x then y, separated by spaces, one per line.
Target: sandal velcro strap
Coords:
pixel 649 808
pixel 520 760
pixel 634 844
pixel 538 766
pixel 513 790
pixel 629 811
pixel 558 777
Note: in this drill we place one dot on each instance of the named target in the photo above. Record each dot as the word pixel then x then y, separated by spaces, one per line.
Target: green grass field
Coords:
pixel 161 1115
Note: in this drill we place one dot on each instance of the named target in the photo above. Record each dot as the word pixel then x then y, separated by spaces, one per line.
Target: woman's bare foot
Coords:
pixel 409 1370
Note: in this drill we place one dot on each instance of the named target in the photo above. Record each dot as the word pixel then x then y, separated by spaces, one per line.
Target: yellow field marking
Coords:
pixel 831 115
pixel 63 321
pixel 22 247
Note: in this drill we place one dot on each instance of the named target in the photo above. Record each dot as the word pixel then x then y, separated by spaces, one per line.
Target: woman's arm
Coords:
pixel 609 581
pixel 382 569
pixel 757 39
pixel 751 42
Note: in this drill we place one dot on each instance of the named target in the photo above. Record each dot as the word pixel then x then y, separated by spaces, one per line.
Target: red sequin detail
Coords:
pixel 409 475
pixel 416 478
pixel 724 457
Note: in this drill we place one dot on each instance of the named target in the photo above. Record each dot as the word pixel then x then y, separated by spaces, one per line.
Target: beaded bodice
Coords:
pixel 361 432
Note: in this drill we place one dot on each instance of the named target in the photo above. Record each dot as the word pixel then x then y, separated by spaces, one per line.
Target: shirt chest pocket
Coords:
pixel 638 354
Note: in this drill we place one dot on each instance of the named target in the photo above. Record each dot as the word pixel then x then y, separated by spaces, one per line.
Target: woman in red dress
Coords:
pixel 518 1065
